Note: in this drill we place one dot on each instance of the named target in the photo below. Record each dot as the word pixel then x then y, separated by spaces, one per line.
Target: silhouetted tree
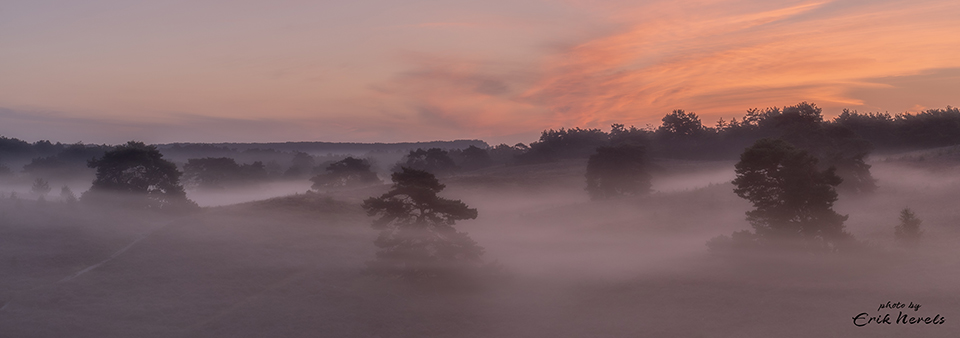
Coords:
pixel 792 198
pixel 877 128
pixel 136 175
pixel 802 125
pixel 253 172
pixel 682 135
pixel 722 125
pixel 210 172
pixel 505 154
pixel 417 238
pixel 618 170
pixel 301 166
pixel 40 187
pixel 14 149
pixel 66 195
pixel 681 124
pixel 619 135
pixel 930 128
pixel 434 160
pixel 218 172
pixel 472 158
pixel 51 166
pixel 68 163
pixel 560 144
pixel 800 118
pixel 834 145
pixel 841 148
pixel 273 168
pixel 908 232
pixel 46 147
pixel 345 173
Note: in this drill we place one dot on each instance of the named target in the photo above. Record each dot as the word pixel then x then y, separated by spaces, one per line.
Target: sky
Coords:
pixel 108 71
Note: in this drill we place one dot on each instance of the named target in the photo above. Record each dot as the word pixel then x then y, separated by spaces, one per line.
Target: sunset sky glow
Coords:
pixel 106 71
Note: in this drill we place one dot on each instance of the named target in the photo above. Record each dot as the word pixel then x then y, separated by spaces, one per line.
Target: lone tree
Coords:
pixel 41 188
pixel 66 195
pixel 616 171
pixel 136 175
pixel 793 199
pixel 417 239
pixel 908 232
pixel 345 173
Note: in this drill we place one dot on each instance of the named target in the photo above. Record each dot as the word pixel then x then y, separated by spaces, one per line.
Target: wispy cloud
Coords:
pixel 455 95
pixel 443 25
pixel 717 62
pixel 384 71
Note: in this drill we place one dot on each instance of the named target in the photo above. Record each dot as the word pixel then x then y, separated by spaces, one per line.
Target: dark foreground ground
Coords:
pixel 293 267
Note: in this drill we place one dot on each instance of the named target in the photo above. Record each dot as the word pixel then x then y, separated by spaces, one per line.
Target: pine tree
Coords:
pixel 908 232
pixel 791 197
pixel 417 238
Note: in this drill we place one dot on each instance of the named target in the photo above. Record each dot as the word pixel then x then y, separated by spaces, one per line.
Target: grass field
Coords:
pixel 294 266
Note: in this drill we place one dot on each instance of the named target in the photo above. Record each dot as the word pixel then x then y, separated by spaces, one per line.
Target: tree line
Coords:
pixel 791 172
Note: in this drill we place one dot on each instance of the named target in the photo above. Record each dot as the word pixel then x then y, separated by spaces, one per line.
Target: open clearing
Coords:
pixel 294 266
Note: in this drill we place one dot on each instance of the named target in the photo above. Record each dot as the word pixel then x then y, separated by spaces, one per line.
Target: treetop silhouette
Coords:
pixel 345 173
pixel 136 175
pixel 417 238
pixel 793 199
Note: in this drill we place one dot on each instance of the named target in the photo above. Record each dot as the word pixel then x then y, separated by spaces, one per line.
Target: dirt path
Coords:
pixel 92 267
pixel 114 255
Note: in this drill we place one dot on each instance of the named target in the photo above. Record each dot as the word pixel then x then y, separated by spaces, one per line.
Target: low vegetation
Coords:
pixel 600 233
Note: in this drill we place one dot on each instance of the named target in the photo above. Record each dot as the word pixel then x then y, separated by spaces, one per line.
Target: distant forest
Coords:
pixel 849 137
pixel 683 135
pixel 275 160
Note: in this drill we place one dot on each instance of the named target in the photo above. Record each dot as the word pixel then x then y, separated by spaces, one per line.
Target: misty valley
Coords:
pixel 781 224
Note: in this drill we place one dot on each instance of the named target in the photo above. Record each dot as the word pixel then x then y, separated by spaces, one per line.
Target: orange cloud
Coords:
pixel 723 65
pixel 480 70
pixel 716 62
pixel 451 96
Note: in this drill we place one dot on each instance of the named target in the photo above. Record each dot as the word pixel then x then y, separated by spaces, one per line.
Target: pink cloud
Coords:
pixel 717 63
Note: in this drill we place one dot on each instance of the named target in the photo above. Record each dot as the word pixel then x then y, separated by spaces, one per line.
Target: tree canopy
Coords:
pixel 40 187
pixel 793 199
pixel 471 158
pixel 136 175
pixel 908 232
pixel 560 144
pixel 417 238
pixel 70 162
pixel 219 172
pixel 345 173
pixel 680 123
pixel 301 166
pixel 434 160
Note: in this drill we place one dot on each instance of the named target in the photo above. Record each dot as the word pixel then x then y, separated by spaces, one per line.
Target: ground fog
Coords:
pixel 294 265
